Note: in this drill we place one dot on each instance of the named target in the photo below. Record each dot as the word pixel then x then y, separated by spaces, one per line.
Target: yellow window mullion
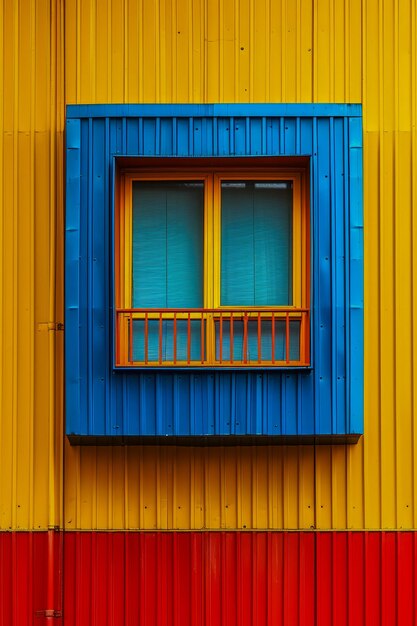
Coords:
pixel 128 254
pixel 119 243
pixel 208 242
pixel 297 253
pixel 305 243
pixel 216 209
pixel 209 281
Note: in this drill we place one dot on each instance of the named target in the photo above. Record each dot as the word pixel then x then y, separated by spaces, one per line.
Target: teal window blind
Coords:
pixel 167 244
pixel 256 243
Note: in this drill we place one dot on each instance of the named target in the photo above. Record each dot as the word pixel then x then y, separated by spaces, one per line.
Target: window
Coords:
pixel 212 267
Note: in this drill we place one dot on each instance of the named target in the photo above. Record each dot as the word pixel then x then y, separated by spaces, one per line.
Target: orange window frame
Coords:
pixel 212 179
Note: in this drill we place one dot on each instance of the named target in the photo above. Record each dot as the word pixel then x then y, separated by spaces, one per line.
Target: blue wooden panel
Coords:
pixel 85 343
pixel 132 136
pixel 326 399
pixel 72 277
pixel 322 252
pixel 355 255
pixel 338 163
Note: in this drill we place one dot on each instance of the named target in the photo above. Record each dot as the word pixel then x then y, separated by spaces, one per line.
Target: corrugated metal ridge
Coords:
pixel 213 110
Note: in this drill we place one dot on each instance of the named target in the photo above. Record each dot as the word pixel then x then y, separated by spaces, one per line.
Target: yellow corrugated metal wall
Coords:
pixel 204 51
pixel 213 51
pixel 390 192
pixel 284 51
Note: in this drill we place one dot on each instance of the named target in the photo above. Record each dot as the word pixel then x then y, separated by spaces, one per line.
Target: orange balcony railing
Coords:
pixel 265 337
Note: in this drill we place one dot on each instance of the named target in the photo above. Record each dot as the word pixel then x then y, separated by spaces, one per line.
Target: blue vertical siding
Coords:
pixel 326 399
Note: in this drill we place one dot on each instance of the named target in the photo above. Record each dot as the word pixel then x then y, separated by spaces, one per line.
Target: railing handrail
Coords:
pixel 243 309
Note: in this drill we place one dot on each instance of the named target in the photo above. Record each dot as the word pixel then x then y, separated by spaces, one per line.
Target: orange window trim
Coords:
pixel 212 178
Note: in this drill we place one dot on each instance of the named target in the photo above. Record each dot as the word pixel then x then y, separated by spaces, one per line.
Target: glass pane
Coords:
pixel 256 243
pixel 167 244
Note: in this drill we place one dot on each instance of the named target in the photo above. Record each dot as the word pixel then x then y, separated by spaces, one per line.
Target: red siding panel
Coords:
pixel 357 590
pixel 208 578
pixel 30 578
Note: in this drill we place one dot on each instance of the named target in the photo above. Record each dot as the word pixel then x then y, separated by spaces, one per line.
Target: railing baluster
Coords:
pixel 118 331
pixel 175 338
pixel 259 338
pixel 231 337
pixel 245 337
pixel 188 338
pixel 146 337
pixel 287 337
pixel 273 336
pixel 202 337
pixel 130 338
pixel 306 320
pixel 160 339
pixel 301 338
pixel 221 338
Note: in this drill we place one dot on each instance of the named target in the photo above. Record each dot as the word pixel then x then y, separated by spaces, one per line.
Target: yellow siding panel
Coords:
pixel 30 198
pixel 210 51
pixel 233 487
pixel 372 447
pixel 403 327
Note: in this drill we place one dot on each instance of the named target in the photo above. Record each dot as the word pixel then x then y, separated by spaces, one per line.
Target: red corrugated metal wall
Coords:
pixel 209 578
